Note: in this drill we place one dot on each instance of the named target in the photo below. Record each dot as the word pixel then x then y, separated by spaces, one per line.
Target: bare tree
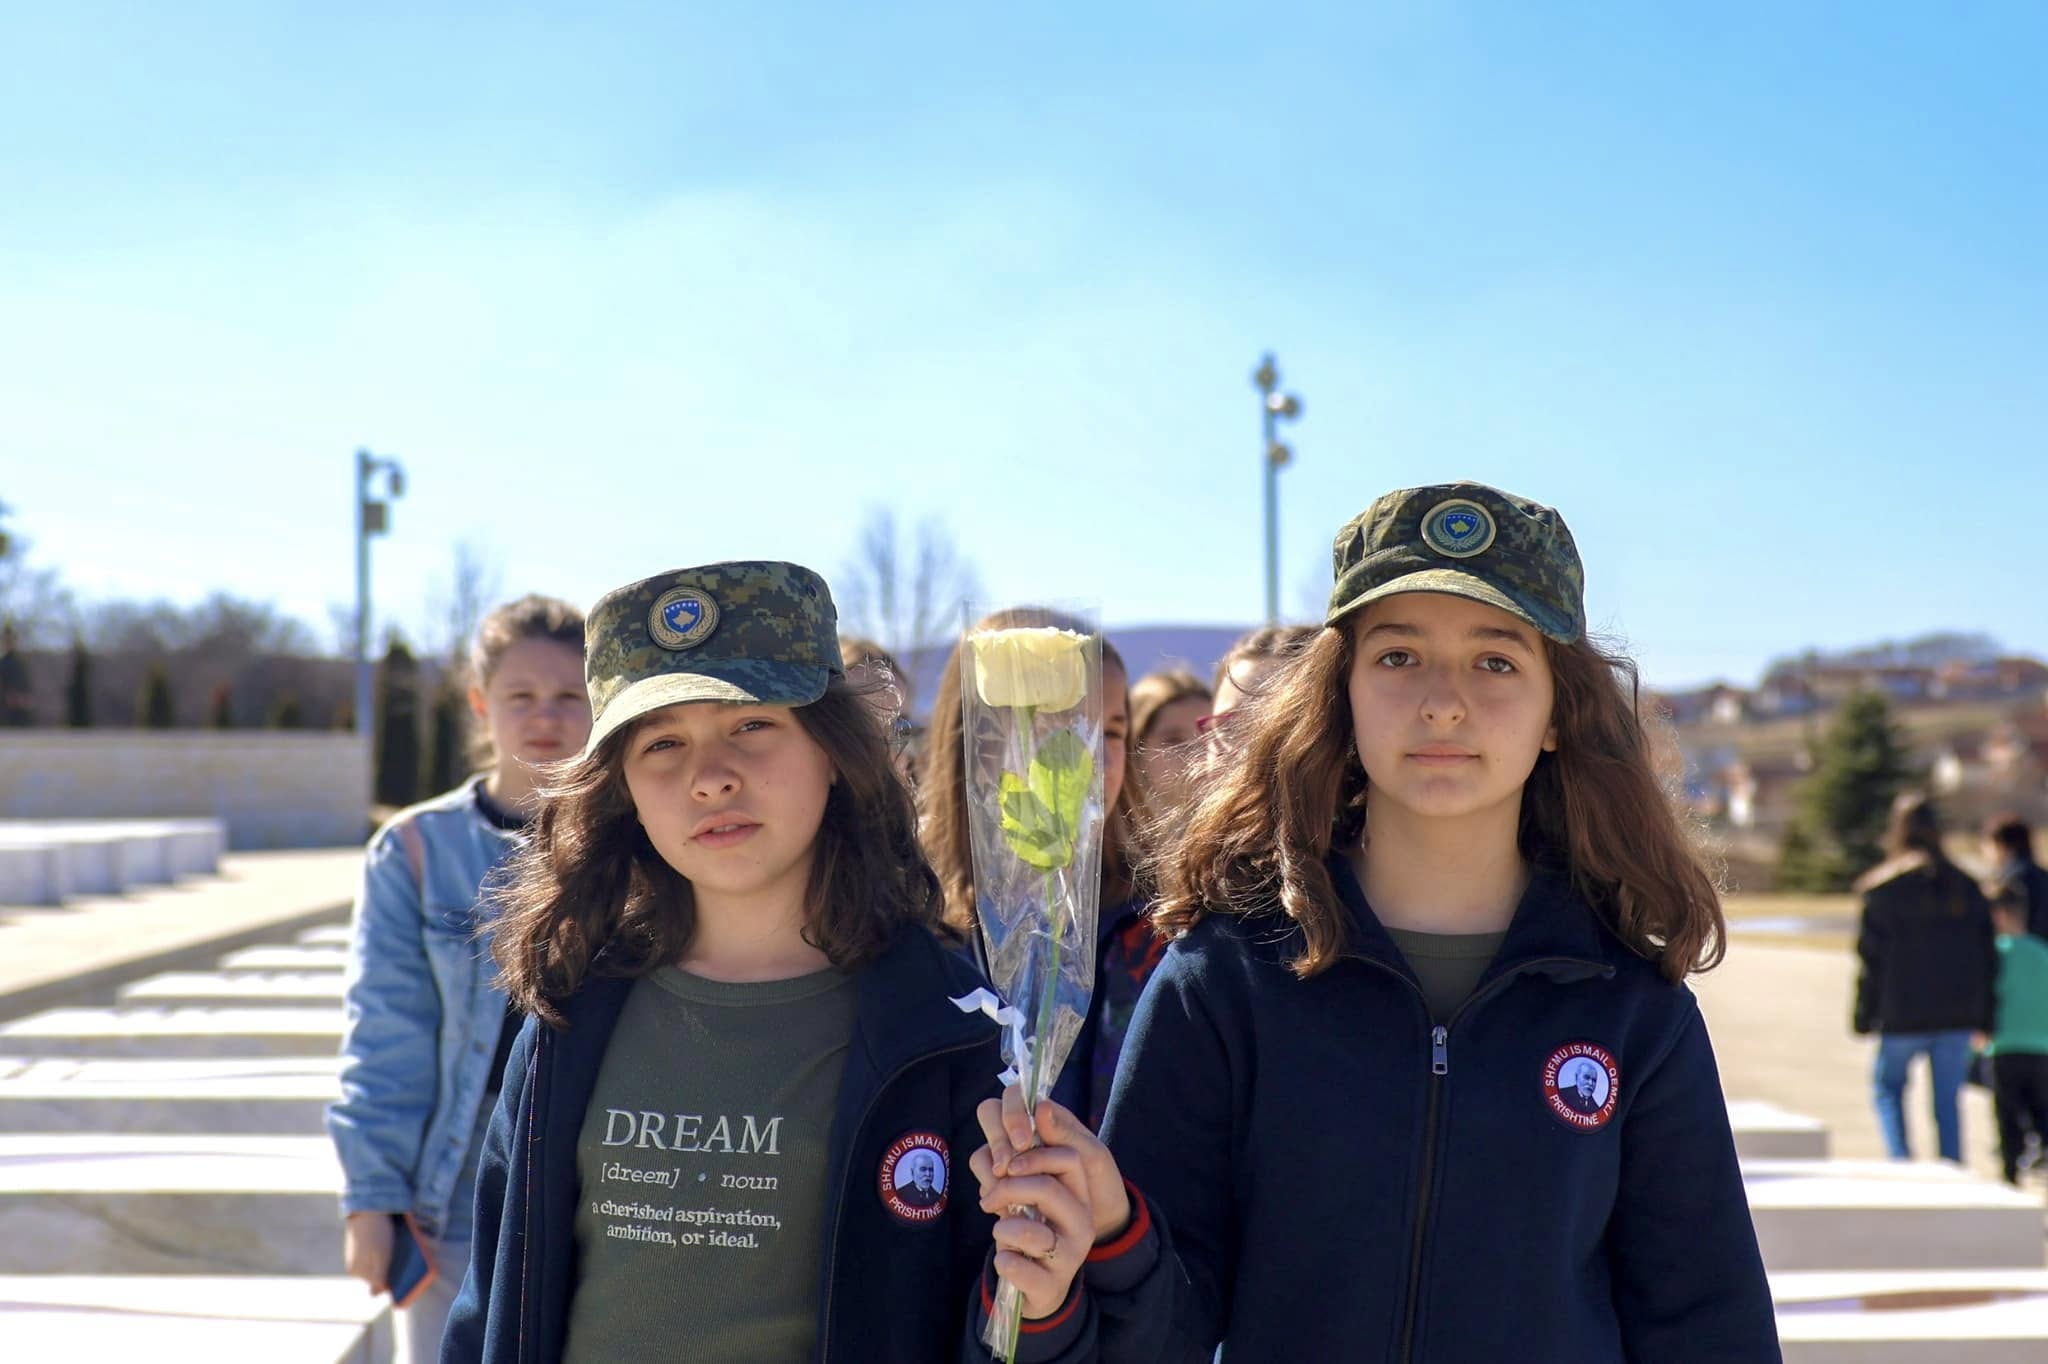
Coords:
pixel 906 596
pixel 32 598
pixel 456 608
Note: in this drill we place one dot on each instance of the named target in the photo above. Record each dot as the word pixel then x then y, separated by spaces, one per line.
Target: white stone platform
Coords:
pixel 169 1033
pixel 1955 1316
pixel 88 1204
pixel 255 988
pixel 42 862
pixel 300 957
pixel 326 935
pixel 1765 1131
pixel 1884 1215
pixel 189 1317
pixel 285 1095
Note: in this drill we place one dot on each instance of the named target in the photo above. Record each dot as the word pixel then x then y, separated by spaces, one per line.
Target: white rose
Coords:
pixel 1046 669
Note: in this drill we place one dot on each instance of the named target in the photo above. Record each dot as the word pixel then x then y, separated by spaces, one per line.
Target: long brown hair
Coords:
pixel 1274 806
pixel 942 789
pixel 589 895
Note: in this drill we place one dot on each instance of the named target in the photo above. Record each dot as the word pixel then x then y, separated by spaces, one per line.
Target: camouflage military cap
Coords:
pixel 1467 540
pixel 758 632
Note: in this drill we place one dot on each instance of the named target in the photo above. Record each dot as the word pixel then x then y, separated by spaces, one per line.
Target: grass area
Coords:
pixel 1843 909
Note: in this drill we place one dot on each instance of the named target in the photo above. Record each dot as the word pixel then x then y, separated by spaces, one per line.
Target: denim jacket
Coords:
pixel 422 1014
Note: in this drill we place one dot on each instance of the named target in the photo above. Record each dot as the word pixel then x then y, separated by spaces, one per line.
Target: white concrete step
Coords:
pixel 167 1033
pixel 102 857
pixel 285 1095
pixel 1766 1131
pixel 1910 1317
pixel 98 1319
pixel 256 988
pixel 293 958
pixel 93 1204
pixel 326 935
pixel 1856 1215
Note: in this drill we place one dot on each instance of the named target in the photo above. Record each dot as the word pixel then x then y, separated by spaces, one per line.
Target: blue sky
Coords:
pixel 1754 294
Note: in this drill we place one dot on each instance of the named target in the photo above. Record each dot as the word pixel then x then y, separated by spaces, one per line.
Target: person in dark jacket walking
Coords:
pixel 1440 881
pixel 1929 962
pixel 2009 840
pixel 728 1129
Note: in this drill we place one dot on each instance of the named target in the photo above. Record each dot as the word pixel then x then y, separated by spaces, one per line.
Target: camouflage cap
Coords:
pixel 752 631
pixel 1467 540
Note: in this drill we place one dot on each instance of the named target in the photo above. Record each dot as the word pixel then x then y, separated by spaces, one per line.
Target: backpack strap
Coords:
pixel 415 852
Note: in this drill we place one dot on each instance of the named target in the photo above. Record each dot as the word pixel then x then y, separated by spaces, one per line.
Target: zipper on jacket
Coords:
pixel 1439 1068
pixel 846 1173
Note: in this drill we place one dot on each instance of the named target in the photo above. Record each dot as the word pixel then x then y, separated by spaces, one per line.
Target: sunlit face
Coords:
pixel 1450 703
pixel 1164 756
pixel 731 796
pixel 1116 731
pixel 534 703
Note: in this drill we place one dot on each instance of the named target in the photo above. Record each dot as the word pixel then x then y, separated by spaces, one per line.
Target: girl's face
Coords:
pixel 1116 731
pixel 1163 757
pixel 731 796
pixel 534 704
pixel 1450 703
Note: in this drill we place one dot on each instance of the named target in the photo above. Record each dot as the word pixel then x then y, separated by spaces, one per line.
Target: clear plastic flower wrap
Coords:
pixel 1031 703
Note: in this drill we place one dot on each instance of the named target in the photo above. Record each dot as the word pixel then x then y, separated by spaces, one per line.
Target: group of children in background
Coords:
pixel 650 1048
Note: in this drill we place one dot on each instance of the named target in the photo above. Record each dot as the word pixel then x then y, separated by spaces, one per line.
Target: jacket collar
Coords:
pixel 903 1002
pixel 1554 931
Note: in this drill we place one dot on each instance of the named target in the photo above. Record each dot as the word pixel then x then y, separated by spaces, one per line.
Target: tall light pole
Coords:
pixel 372 518
pixel 1274 406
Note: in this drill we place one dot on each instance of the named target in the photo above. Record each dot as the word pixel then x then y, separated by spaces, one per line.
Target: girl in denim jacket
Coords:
pixel 427 1029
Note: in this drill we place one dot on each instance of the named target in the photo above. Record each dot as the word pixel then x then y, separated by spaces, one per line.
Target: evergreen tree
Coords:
pixel 1861 762
pixel 398 726
pixel 78 687
pixel 223 711
pixel 446 759
pixel 17 698
pixel 153 709
pixel 287 713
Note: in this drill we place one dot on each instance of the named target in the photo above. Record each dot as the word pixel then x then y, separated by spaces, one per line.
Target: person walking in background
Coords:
pixel 427 1030
pixel 1167 710
pixel 1126 949
pixel 2009 844
pixel 1928 962
pixel 2019 1046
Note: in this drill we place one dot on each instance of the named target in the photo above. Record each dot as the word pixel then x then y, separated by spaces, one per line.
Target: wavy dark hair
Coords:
pixel 942 788
pixel 590 896
pixel 1274 804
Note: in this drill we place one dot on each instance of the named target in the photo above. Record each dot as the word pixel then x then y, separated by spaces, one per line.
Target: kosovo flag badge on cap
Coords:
pixel 752 632
pixel 1467 540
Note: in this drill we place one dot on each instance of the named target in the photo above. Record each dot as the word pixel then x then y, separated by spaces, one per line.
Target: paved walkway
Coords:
pixel 49 951
pixel 1779 1016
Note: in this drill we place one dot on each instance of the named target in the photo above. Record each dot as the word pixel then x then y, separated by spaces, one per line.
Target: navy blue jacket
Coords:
pixel 887 1290
pixel 1345 1180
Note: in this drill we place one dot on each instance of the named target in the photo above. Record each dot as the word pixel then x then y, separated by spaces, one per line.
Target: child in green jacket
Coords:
pixel 2019 1048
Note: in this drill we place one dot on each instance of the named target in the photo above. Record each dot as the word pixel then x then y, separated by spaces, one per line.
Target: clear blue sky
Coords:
pixel 1755 293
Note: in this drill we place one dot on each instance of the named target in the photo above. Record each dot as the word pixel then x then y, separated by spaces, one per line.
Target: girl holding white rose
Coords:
pixel 734 1127
pixel 1422 1032
pixel 1127 950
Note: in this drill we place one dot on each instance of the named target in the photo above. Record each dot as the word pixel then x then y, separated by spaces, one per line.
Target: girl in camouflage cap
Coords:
pixel 1423 1032
pixel 736 1125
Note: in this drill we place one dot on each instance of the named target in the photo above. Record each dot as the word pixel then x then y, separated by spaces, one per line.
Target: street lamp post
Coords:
pixel 372 518
pixel 1274 406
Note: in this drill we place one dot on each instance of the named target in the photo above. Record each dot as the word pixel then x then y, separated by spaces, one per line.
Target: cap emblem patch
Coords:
pixel 1458 529
pixel 913 1178
pixel 1581 1084
pixel 682 618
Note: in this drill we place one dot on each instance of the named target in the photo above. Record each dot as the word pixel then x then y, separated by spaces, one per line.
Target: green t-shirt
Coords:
pixel 1449 965
pixel 702 1161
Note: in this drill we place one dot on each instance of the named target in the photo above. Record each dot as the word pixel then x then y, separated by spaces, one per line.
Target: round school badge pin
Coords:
pixel 1458 529
pixel 913 1178
pixel 1581 1084
pixel 682 618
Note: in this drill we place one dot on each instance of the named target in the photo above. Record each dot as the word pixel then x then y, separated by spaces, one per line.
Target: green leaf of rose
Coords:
pixel 1030 827
pixel 1061 773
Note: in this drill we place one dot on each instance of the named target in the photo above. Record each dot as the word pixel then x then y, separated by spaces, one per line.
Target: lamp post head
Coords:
pixel 1284 405
pixel 1266 376
pixel 1278 454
